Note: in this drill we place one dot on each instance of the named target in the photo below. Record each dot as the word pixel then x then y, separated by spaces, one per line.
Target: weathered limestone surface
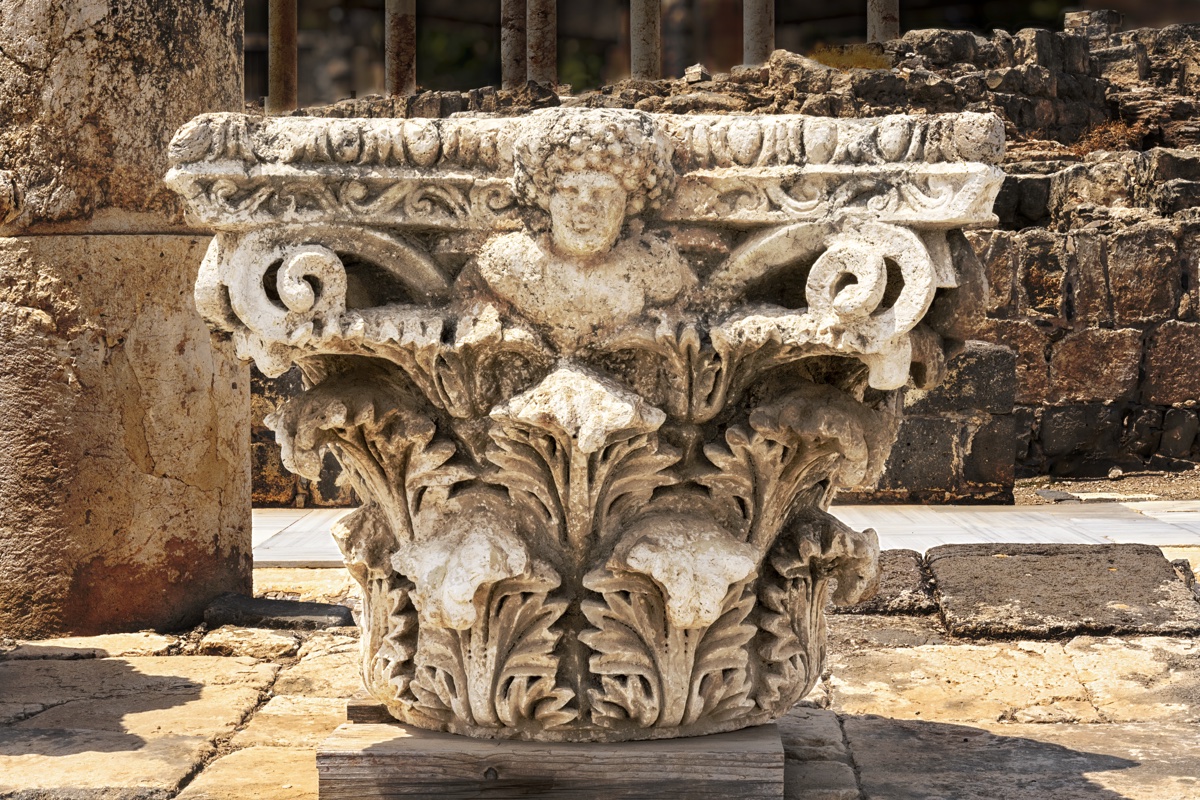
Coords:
pixel 914 760
pixel 597 376
pixel 92 92
pixel 129 728
pixel 124 481
pixel 258 773
pixel 124 499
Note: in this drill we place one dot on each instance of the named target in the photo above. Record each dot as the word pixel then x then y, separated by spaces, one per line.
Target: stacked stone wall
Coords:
pixel 1086 357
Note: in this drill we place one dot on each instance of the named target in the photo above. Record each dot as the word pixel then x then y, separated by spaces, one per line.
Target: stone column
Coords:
pixel 513 70
pixel 758 31
pixel 124 468
pixel 541 41
pixel 883 20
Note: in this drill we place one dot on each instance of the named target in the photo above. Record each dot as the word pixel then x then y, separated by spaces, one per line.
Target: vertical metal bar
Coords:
pixel 400 47
pixel 883 20
pixel 758 31
pixel 281 56
pixel 541 41
pixel 514 67
pixel 645 39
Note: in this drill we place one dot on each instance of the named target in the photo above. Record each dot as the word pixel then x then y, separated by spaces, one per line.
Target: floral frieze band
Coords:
pixel 596 376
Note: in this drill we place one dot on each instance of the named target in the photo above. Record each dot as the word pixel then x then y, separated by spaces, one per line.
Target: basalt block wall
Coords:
pixel 1083 357
pixel 124 464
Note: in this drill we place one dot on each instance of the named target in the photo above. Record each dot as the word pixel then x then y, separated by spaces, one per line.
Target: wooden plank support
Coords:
pixel 758 31
pixel 883 20
pixel 514 64
pixel 395 761
pixel 281 57
pixel 541 41
pixel 645 39
pixel 400 47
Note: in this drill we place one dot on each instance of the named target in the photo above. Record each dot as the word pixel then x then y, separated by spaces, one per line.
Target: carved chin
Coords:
pixel 693 560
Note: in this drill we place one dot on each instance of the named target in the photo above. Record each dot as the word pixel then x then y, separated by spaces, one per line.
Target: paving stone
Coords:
pixel 257 612
pixel 819 780
pixel 904 587
pixel 258 773
pixel 855 631
pixel 812 734
pixel 1039 590
pixel 915 760
pixel 145 643
pixel 58 764
pixel 328 667
pixel 1143 679
pixel 292 721
pixel 252 642
pixel 1023 682
pixel 331 585
pixel 51 683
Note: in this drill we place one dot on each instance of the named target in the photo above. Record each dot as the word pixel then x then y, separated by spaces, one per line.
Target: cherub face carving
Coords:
pixel 587 210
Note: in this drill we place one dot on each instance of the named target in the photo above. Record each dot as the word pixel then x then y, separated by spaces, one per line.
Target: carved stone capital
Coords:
pixel 597 376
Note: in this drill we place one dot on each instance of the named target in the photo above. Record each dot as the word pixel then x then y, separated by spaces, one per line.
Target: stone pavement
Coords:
pixel 906 710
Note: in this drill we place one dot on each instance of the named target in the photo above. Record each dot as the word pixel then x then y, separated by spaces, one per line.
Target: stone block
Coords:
pixel 1040 274
pixel 1171 377
pixel 996 253
pixel 982 378
pixel 990 453
pixel 123 428
pixel 1095 365
pixel 1143 429
pixel 1031 342
pixel 917 760
pixel 1088 270
pixel 111 645
pixel 1179 430
pixel 1144 272
pixel 1000 590
pixel 925 457
pixel 1090 428
pixel 1142 679
pixel 229 640
pixel 292 721
pixel 1022 681
pixel 258 612
pixel 258 773
pixel 1125 65
pixel 852 632
pixel 904 587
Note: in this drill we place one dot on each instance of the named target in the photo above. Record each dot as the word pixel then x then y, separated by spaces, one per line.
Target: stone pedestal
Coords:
pixel 124 467
pixel 397 761
pixel 597 376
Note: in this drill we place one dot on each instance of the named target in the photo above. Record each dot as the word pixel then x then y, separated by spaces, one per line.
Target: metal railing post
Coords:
pixel 645 39
pixel 758 31
pixel 400 47
pixel 281 57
